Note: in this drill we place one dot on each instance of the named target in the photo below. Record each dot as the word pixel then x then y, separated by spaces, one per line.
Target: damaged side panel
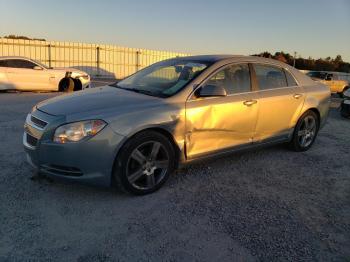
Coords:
pixel 217 123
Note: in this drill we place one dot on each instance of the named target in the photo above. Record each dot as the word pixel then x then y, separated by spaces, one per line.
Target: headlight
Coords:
pixel 76 131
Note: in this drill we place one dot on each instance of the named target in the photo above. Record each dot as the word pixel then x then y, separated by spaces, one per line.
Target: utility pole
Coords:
pixel 295 57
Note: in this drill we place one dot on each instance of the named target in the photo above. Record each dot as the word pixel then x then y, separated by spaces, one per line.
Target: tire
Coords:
pixel 77 85
pixel 144 163
pixel 305 132
pixel 66 85
pixel 344 112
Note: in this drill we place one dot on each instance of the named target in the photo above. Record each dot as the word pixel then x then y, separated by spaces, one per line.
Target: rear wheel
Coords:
pixel 144 163
pixel 305 132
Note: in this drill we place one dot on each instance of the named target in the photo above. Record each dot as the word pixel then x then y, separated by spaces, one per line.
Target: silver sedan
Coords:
pixel 135 133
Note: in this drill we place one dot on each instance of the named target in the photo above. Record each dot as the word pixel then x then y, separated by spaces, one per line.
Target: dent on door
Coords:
pixel 218 123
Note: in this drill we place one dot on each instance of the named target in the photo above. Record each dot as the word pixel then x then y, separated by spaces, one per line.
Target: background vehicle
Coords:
pixel 338 82
pixel 345 105
pixel 137 131
pixel 21 73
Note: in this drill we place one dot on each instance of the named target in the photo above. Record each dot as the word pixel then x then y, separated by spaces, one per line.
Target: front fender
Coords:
pixel 170 118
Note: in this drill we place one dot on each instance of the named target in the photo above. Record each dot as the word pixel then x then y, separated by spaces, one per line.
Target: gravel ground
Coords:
pixel 268 204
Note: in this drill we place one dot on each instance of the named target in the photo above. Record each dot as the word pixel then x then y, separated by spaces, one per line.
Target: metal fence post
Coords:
pixel 138 53
pixel 49 51
pixel 98 60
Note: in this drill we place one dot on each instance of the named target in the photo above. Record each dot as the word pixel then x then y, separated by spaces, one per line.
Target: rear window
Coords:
pixel 270 77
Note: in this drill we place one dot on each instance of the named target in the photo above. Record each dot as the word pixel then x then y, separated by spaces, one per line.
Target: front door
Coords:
pixel 218 123
pixel 22 75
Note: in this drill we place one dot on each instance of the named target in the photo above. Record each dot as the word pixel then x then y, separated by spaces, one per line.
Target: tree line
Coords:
pixel 22 37
pixel 322 64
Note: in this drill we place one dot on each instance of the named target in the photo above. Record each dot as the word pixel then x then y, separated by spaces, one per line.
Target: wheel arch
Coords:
pixel 78 85
pixel 315 110
pixel 160 130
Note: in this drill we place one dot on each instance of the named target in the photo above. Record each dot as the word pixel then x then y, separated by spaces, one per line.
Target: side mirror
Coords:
pixel 210 91
pixel 37 68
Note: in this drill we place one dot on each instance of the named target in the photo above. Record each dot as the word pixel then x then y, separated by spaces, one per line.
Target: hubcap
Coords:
pixel 307 131
pixel 147 165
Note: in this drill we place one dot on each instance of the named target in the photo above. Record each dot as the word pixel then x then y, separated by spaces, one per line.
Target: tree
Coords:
pixel 280 57
pixel 321 64
pixel 22 37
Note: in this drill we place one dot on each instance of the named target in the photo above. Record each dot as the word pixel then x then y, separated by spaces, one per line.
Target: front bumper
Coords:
pixel 85 82
pixel 88 161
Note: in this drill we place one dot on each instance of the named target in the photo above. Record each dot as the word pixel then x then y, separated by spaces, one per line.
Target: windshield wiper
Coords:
pixel 140 91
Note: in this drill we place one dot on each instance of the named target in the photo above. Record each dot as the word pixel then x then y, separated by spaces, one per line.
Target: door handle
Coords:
pixel 297 96
pixel 250 102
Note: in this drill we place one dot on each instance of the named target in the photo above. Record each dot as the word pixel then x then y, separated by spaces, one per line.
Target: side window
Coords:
pixel 3 63
pixel 234 79
pixel 290 79
pixel 270 77
pixel 18 63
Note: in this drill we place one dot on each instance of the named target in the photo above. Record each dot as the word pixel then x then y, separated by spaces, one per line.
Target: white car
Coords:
pixel 21 73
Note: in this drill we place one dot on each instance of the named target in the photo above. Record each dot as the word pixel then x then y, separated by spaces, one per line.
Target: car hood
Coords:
pixel 96 101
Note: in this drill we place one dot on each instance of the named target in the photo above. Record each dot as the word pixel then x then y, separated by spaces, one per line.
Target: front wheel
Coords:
pixel 144 163
pixel 305 132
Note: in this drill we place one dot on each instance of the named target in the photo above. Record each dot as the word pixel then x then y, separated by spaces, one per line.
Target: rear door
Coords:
pixel 280 101
pixel 23 76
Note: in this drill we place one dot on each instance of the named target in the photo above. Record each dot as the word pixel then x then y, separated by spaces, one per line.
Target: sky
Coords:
pixel 316 28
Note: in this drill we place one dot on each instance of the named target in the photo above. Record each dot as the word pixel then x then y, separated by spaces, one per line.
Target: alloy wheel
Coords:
pixel 307 131
pixel 147 165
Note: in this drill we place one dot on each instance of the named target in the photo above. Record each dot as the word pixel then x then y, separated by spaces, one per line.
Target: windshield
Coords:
pixel 163 79
pixel 319 75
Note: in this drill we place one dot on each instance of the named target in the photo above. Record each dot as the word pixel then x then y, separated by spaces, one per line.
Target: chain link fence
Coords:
pixel 106 61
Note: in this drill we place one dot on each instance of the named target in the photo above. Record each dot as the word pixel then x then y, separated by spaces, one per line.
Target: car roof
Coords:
pixel 207 58
pixel 231 58
pixel 14 57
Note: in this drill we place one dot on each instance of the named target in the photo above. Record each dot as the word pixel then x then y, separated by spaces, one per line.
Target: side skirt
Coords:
pixel 240 148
